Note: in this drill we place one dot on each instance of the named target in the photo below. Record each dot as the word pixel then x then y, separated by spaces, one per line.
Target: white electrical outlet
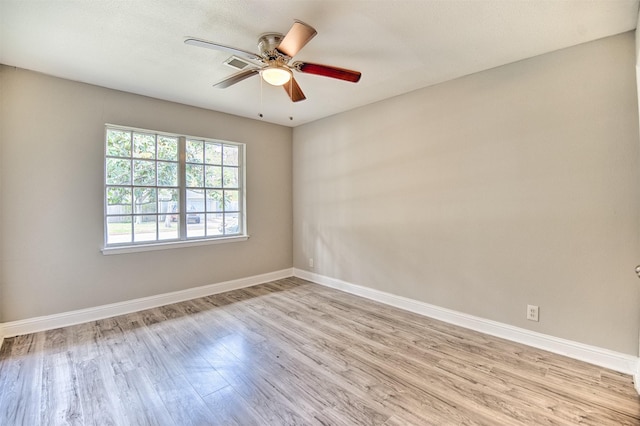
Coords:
pixel 532 312
pixel 311 262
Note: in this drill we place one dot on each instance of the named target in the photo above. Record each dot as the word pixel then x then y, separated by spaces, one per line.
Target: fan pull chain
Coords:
pixel 260 113
pixel 291 97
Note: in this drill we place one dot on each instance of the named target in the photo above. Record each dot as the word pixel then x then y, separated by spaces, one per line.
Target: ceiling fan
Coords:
pixel 276 53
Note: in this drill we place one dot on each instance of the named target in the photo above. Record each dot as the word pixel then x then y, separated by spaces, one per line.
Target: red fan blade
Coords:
pixel 299 35
pixel 328 71
pixel 294 91
pixel 215 46
pixel 236 78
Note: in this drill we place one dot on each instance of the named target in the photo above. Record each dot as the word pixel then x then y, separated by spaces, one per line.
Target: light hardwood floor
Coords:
pixel 293 352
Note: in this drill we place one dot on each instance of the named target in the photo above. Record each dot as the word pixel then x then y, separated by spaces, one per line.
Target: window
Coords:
pixel 164 188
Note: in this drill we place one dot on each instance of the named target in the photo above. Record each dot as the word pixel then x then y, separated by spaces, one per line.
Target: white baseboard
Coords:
pixel 49 322
pixel 627 364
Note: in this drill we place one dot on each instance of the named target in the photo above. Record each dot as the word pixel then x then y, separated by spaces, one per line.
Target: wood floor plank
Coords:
pixel 20 400
pixel 99 401
pixel 60 391
pixel 229 408
pixel 82 341
pixel 139 400
pixel 184 404
pixel 291 352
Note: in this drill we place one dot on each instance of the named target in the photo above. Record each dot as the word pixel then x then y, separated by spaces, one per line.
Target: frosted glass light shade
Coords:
pixel 276 76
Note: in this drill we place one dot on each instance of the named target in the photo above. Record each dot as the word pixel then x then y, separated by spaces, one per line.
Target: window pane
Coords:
pixel 171 212
pixel 118 143
pixel 214 176
pixel 144 200
pixel 168 206
pixel 194 175
pixel 214 201
pixel 231 201
pixel 195 152
pixel 118 229
pixel 144 172
pixel 231 223
pixel 170 227
pixel 230 177
pixel 167 174
pixel 118 200
pixel 144 146
pixel 195 225
pixel 213 153
pixel 118 171
pixel 167 148
pixel 195 200
pixel 167 198
pixel 214 224
pixel 145 228
pixel 230 155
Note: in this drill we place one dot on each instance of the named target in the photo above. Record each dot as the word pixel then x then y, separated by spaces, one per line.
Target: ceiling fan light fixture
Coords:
pixel 276 76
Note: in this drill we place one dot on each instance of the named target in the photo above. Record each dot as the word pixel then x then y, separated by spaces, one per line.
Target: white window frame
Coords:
pixel 182 240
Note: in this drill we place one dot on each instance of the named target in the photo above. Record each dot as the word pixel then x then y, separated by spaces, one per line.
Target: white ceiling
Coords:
pixel 398 45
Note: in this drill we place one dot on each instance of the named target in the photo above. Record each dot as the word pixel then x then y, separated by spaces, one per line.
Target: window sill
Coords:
pixel 171 245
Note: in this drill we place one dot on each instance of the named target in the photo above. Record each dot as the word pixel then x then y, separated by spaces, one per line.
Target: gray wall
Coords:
pixel 514 186
pixel 51 206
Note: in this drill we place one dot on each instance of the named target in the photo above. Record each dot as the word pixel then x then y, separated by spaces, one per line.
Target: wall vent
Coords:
pixel 237 63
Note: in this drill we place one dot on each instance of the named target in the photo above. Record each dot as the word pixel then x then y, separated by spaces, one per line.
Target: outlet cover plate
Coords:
pixel 533 313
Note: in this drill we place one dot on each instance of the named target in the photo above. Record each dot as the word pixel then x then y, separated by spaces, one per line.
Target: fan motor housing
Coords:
pixel 267 44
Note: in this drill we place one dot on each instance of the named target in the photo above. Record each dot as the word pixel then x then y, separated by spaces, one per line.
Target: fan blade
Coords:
pixel 328 71
pixel 236 78
pixel 294 91
pixel 215 46
pixel 299 35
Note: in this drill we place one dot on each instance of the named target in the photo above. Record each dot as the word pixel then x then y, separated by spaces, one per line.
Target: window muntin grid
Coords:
pixel 213 187
pixel 163 187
